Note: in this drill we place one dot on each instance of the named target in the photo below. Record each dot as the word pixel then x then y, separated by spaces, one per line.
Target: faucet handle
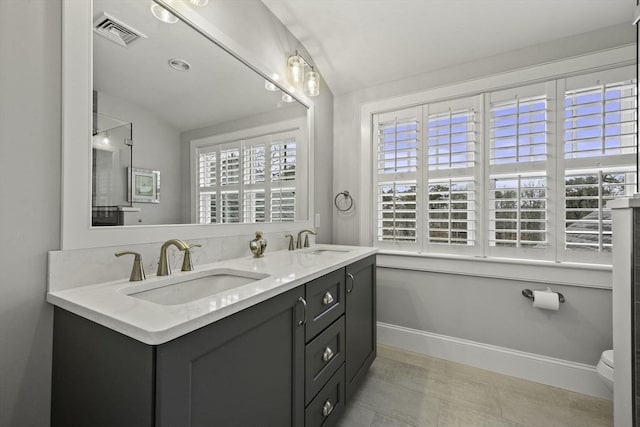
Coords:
pixel 137 272
pixel 187 264
pixel 306 237
pixel 290 241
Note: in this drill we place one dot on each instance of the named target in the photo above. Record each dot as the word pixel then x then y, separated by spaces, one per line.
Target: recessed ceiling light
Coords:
pixel 179 64
pixel 163 14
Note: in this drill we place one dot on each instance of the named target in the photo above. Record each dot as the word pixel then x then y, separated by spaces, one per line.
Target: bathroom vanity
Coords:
pixel 287 349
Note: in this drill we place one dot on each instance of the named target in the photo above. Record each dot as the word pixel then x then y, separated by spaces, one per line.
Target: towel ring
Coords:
pixel 345 194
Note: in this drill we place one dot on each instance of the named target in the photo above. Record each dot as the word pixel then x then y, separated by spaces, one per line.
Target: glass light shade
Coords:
pixel 296 69
pixel 199 3
pixel 312 84
pixel 163 14
pixel 287 98
pixel 270 86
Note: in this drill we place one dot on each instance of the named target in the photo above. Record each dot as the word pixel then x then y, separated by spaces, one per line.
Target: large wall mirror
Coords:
pixel 164 93
pixel 174 127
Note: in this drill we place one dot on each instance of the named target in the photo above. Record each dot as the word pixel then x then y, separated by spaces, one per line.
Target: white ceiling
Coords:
pixel 361 43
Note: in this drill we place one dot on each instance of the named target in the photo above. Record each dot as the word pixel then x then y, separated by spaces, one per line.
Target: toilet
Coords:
pixel 605 368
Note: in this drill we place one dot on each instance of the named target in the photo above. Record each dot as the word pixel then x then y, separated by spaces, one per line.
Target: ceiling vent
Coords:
pixel 110 28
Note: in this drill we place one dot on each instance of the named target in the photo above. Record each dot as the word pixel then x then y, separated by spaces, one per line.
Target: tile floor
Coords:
pixel 406 389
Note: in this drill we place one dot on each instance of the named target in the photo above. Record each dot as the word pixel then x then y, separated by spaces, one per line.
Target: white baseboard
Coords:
pixel 559 373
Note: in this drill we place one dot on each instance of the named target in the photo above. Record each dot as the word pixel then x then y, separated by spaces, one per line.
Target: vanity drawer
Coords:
pixel 323 356
pixel 327 407
pixel 325 302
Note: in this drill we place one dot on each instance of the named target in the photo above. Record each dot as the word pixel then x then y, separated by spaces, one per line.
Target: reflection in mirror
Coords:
pixel 111 155
pixel 230 146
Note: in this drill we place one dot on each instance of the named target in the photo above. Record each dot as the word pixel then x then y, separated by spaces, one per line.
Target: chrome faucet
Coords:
pixel 306 238
pixel 163 262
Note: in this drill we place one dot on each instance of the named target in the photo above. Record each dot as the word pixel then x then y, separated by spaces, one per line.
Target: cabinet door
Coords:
pixel 245 370
pixel 360 321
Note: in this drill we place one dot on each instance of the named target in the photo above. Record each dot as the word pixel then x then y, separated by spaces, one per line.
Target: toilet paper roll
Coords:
pixel 546 300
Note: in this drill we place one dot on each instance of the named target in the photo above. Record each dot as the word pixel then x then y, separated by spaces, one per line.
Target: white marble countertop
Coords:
pixel 109 304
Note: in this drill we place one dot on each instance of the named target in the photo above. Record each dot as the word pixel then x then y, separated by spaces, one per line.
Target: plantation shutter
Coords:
pixel 207 182
pixel 283 183
pixel 397 138
pixel 255 179
pixel 452 174
pixel 600 139
pixel 254 170
pixel 519 195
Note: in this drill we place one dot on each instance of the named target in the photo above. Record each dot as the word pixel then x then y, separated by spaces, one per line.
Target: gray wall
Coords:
pixel 30 41
pixel 484 310
pixel 30 203
pixel 493 311
pixel 156 146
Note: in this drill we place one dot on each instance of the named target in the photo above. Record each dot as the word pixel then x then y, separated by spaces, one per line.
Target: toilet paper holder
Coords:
pixel 528 293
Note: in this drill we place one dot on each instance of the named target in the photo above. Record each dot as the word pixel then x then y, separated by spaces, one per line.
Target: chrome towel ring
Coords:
pixel 345 195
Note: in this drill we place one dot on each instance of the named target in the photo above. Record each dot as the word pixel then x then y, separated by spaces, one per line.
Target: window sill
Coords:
pixel 540 272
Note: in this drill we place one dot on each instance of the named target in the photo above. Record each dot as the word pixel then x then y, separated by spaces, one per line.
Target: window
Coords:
pixel 599 157
pixel 248 180
pixel 397 137
pixel 451 175
pixel 523 173
pixel 518 188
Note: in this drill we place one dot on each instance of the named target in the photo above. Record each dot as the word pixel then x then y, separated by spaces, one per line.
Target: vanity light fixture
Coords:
pixel 179 64
pixel 311 81
pixel 163 14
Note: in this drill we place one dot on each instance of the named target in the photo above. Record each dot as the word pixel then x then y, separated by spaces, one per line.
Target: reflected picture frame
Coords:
pixel 144 185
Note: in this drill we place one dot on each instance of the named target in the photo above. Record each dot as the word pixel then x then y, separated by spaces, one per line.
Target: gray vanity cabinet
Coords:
pixel 292 360
pixel 360 321
pixel 244 370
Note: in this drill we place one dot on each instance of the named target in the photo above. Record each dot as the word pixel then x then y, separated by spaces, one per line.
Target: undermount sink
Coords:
pixel 325 251
pixel 191 289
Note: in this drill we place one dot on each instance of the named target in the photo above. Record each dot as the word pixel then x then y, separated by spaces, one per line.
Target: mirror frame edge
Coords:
pixel 77 68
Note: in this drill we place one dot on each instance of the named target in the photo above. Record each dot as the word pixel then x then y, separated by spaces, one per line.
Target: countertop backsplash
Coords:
pixel 80 267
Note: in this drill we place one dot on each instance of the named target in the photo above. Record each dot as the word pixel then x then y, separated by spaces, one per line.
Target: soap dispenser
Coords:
pixel 258 245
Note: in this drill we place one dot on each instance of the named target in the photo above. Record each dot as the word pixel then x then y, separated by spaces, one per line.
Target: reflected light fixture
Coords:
pixel 270 86
pixel 288 98
pixel 199 3
pixel 163 14
pixel 310 81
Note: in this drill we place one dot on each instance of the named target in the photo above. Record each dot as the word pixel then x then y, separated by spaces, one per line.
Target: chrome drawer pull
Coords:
pixel 353 282
pixel 304 306
pixel 327 354
pixel 327 298
pixel 327 409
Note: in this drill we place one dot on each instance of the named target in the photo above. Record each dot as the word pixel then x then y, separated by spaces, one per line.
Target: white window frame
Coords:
pixel 585 164
pixel 600 61
pixel 474 172
pixel 241 139
pixel 523 169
